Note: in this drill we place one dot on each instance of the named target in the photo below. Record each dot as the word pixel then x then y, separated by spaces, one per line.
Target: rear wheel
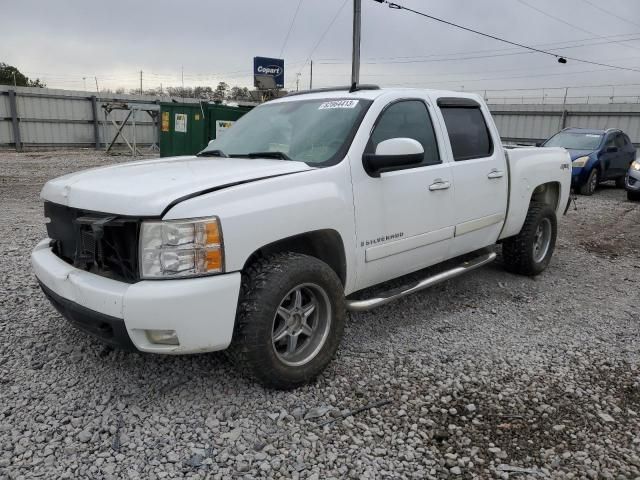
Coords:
pixel 633 196
pixel 290 320
pixel 592 183
pixel 529 252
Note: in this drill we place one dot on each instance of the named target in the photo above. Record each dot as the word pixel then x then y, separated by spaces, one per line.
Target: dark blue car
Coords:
pixel 596 155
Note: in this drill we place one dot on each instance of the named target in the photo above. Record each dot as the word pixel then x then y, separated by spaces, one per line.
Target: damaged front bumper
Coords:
pixel 201 311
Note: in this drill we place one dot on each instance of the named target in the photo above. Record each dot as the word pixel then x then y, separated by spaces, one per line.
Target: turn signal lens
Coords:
pixel 213 260
pixel 212 231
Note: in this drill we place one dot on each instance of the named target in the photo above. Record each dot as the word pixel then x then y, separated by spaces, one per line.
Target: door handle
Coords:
pixel 439 184
pixel 495 174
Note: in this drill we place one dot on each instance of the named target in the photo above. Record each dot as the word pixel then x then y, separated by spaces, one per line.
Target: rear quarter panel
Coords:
pixel 529 168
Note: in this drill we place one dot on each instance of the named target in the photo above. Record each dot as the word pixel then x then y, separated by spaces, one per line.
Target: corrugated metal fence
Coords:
pixel 533 123
pixel 41 118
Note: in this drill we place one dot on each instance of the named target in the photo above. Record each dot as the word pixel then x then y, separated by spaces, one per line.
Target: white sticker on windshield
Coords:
pixel 338 104
pixel 592 135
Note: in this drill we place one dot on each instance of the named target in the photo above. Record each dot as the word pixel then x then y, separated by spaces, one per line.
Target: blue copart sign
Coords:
pixel 273 67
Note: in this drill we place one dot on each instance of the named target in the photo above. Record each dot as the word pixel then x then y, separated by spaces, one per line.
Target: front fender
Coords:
pixel 260 213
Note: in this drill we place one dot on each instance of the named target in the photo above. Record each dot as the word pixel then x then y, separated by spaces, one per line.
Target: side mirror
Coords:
pixel 393 154
pixel 539 144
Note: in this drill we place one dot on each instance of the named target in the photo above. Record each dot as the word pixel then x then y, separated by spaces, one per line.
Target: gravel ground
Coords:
pixel 488 376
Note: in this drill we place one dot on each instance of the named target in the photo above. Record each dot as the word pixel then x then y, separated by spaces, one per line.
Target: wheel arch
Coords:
pixel 325 245
pixel 548 193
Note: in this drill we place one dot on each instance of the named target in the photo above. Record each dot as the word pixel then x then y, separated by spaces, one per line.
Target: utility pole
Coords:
pixel 140 82
pixel 97 89
pixel 311 77
pixel 14 79
pixel 563 118
pixel 355 60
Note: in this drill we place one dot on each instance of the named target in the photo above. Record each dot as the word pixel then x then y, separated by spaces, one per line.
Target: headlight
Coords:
pixel 181 248
pixel 635 165
pixel 580 161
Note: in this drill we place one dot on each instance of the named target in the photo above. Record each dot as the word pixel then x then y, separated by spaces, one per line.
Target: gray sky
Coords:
pixel 215 40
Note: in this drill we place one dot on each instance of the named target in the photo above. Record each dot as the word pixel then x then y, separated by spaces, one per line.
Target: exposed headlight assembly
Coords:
pixel 635 165
pixel 580 161
pixel 181 248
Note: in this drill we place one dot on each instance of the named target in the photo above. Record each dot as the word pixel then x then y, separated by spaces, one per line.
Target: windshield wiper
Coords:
pixel 279 155
pixel 213 153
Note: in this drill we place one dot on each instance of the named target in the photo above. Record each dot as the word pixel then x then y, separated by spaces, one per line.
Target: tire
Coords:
pixel 520 254
pixel 591 184
pixel 270 313
pixel 633 196
pixel 620 182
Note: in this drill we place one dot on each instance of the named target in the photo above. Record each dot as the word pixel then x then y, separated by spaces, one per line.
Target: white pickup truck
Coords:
pixel 258 244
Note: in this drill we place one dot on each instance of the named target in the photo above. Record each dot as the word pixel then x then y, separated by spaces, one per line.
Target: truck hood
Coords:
pixel 147 187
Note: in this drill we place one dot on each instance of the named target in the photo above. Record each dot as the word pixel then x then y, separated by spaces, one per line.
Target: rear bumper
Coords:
pixel 200 310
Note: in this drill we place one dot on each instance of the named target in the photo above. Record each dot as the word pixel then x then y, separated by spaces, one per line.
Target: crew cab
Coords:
pixel 596 155
pixel 262 242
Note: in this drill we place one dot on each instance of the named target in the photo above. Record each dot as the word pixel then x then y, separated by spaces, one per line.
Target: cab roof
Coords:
pixel 368 92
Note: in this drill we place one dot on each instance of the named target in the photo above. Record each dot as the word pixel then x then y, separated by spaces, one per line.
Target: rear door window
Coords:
pixel 468 132
pixel 611 141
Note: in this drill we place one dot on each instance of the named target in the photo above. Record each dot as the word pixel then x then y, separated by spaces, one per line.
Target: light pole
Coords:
pixel 355 60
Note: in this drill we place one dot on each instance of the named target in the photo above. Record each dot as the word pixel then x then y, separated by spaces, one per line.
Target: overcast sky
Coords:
pixel 213 40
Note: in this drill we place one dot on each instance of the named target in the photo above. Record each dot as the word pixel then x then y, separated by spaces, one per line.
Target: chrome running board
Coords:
pixel 368 304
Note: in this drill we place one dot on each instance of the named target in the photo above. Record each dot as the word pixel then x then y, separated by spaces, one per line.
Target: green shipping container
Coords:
pixel 185 129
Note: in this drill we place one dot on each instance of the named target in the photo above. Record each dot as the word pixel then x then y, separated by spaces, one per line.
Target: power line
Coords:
pixel 293 20
pixel 550 46
pixel 561 59
pixel 333 20
pixel 606 85
pixel 611 13
pixel 475 80
pixel 558 19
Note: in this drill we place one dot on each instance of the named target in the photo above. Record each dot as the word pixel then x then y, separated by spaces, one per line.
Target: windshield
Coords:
pixel 575 141
pixel 311 131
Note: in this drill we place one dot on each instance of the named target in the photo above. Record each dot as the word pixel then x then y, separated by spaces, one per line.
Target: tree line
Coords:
pixel 10 75
pixel 221 92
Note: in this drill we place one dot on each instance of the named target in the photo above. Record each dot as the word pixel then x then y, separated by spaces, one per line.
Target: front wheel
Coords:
pixel 633 196
pixel 290 320
pixel 529 252
pixel 592 183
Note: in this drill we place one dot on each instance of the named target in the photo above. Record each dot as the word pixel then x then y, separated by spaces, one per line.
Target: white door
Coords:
pixel 403 215
pixel 479 173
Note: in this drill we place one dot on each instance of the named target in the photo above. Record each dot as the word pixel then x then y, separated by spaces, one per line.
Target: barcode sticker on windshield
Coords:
pixel 338 104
